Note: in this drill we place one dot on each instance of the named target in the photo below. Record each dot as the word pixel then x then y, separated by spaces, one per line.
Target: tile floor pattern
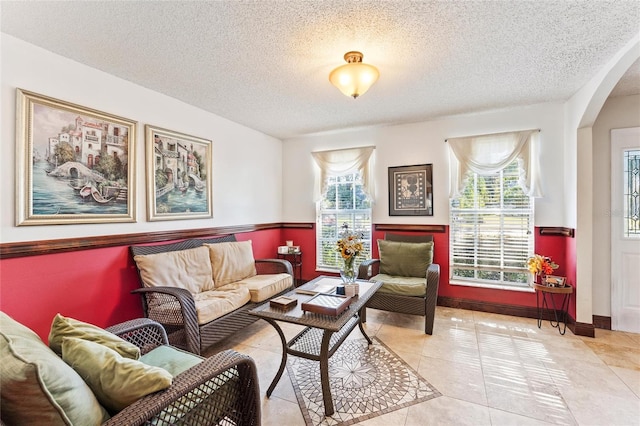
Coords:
pixel 491 370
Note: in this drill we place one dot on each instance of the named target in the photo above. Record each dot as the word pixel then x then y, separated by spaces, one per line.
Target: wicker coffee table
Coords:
pixel 323 334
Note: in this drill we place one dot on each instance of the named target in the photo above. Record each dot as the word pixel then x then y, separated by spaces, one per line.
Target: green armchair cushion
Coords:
pixel 37 387
pixel 116 381
pixel 174 360
pixel 405 259
pixel 68 327
pixel 401 286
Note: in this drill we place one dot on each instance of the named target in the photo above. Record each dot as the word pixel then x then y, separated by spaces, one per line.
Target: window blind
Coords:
pixel 491 230
pixel 344 202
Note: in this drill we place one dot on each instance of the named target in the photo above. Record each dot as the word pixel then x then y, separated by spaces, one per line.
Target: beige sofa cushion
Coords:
pixel 401 286
pixel 116 381
pixel 215 303
pixel 189 269
pixel 262 287
pixel 231 262
pixel 37 387
pixel 68 327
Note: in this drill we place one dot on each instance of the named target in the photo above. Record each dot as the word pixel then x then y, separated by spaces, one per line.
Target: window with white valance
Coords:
pixel 485 154
pixel 341 162
pixel 493 182
pixel 344 190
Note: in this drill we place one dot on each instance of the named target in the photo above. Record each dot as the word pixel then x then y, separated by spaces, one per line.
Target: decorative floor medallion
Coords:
pixel 366 381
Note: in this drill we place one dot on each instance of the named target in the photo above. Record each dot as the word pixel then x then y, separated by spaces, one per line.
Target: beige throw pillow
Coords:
pixel 117 382
pixel 189 269
pixel 231 262
pixel 68 327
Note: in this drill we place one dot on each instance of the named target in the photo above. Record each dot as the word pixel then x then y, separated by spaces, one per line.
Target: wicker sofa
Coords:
pixel 179 308
pixel 38 387
pixel 409 292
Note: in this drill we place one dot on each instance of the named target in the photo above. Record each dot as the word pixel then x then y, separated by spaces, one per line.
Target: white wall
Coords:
pixel 423 143
pixel 247 165
pixel 617 113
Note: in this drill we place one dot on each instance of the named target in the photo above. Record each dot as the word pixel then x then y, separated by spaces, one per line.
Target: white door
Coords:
pixel 625 229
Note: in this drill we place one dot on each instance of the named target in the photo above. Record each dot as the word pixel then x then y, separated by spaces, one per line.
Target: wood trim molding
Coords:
pixel 493 308
pixel 559 231
pixel 299 225
pixel 582 329
pixel 411 228
pixel 602 322
pixel 34 248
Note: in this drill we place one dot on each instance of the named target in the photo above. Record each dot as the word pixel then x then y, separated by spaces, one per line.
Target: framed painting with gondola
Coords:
pixel 411 190
pixel 74 164
pixel 179 174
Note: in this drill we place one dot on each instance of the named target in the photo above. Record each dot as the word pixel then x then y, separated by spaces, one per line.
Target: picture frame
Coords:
pixel 179 175
pixel 554 281
pixel 411 190
pixel 74 164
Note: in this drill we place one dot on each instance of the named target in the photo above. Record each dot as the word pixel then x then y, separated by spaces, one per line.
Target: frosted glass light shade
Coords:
pixel 354 78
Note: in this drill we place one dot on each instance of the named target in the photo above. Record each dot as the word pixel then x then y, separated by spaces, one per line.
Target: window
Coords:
pixel 491 232
pixel 344 202
pixel 631 193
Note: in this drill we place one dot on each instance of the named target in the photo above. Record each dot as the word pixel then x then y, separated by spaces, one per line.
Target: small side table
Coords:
pixel 296 263
pixel 551 291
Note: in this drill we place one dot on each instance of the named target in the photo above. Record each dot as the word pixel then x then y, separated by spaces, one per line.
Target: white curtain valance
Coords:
pixel 486 154
pixel 343 161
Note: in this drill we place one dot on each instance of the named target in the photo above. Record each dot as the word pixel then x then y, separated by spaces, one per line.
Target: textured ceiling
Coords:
pixel 265 64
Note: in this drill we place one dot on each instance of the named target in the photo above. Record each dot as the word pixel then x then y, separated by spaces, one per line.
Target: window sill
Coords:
pixel 326 269
pixel 493 286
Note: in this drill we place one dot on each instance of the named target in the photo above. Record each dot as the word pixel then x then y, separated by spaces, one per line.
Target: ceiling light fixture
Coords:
pixel 354 78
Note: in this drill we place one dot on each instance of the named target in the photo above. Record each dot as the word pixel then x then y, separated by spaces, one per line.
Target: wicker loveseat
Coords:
pixel 179 307
pixel 407 289
pixel 42 387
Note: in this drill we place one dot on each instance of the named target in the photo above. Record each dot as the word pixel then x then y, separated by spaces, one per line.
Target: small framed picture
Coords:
pixel 411 190
pixel 179 174
pixel 554 281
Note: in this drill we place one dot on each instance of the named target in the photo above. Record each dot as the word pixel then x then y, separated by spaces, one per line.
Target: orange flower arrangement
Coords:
pixel 541 265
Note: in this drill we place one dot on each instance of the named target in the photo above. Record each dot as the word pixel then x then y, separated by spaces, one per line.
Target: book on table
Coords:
pixel 324 285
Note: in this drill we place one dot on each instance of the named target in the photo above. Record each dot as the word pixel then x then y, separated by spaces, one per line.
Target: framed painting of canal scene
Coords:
pixel 178 175
pixel 411 190
pixel 74 164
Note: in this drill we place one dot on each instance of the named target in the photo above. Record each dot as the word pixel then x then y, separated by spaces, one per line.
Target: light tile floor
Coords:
pixel 491 370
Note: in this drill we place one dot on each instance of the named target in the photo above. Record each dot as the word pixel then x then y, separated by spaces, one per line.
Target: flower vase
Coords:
pixel 349 273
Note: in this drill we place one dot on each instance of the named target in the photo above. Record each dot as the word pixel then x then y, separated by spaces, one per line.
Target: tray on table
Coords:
pixel 327 304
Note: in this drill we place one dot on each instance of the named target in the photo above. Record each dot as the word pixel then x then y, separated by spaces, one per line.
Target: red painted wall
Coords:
pixel 89 285
pixel 557 247
pixel 95 285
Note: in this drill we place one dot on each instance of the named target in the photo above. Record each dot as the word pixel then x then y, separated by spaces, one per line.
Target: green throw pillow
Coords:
pixel 37 387
pixel 68 327
pixel 405 259
pixel 116 381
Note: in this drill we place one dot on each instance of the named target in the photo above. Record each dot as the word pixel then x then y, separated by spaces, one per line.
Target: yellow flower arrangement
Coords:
pixel 539 265
pixel 349 246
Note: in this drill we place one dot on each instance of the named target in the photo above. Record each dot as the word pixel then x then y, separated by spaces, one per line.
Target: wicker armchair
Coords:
pixel 181 320
pixel 415 305
pixel 221 390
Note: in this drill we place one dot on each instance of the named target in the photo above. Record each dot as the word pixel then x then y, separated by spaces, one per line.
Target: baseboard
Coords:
pixel 490 307
pixel 577 328
pixel 582 329
pixel 602 322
